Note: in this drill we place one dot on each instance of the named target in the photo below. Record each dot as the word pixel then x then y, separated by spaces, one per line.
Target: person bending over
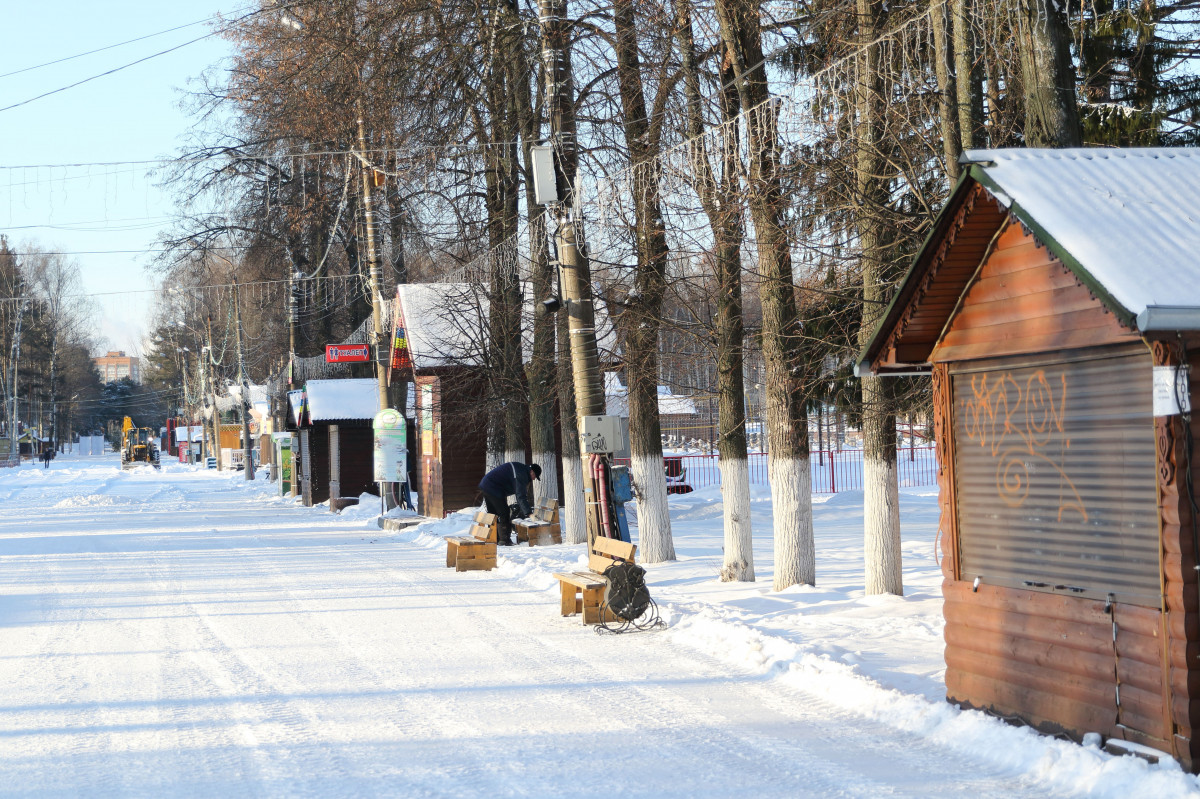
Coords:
pixel 505 480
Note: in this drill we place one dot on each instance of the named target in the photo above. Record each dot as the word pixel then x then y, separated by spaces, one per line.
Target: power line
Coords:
pixel 141 60
pixel 107 47
pixel 109 72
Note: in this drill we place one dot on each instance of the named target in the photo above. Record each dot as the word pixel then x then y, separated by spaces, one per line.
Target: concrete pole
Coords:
pixel 377 343
pixel 581 321
pixel 293 311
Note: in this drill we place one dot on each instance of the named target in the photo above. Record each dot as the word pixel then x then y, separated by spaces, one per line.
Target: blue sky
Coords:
pixel 131 115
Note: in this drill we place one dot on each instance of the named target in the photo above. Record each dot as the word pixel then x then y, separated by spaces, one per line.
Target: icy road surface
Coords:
pixel 179 634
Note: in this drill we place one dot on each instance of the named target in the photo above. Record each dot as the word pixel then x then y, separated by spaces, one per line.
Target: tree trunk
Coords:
pixel 54 385
pixel 505 410
pixel 947 87
pixel 968 76
pixel 641 320
pixel 540 372
pixel 723 207
pixel 787 420
pixel 574 517
pixel 542 382
pixel 560 105
pixel 881 510
pixel 1048 76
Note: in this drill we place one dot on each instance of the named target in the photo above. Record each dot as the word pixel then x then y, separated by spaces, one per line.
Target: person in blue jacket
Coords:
pixel 506 480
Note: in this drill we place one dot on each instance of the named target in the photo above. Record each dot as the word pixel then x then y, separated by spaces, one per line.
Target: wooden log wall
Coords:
pixel 1041 658
pixel 1045 659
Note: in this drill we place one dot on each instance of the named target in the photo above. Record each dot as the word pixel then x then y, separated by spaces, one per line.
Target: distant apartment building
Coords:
pixel 116 365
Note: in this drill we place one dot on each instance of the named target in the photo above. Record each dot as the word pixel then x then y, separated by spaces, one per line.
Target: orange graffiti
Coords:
pixel 1017 425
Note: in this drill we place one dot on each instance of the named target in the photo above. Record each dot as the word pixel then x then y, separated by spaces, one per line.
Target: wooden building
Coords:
pixel 1056 304
pixel 335 459
pixel 446 334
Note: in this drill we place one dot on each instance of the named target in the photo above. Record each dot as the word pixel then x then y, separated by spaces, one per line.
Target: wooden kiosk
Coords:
pixel 1056 304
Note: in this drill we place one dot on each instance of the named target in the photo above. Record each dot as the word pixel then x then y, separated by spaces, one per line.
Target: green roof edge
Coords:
pixel 977 173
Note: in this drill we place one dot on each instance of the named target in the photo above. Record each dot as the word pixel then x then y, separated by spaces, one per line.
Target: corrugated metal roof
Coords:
pixel 1129 217
pixel 333 400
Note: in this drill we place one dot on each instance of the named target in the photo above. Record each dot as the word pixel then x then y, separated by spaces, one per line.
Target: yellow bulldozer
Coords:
pixel 138 446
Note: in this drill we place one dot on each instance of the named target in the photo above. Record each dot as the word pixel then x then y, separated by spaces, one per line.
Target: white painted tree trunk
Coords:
pixel 573 519
pixel 881 527
pixel 514 456
pixel 735 497
pixel 791 499
pixel 546 486
pixel 654 519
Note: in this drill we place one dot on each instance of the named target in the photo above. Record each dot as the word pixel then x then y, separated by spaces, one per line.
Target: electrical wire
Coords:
pixel 91 78
pixel 108 47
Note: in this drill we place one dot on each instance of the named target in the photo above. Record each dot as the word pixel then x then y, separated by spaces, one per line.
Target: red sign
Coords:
pixel 347 353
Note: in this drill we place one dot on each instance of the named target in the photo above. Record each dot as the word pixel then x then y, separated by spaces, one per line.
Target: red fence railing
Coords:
pixel 832 471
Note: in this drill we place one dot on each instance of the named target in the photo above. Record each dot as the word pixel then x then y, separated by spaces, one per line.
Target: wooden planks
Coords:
pixel 1057 661
pixel 1025 301
pixel 543 528
pixel 583 591
pixel 475 551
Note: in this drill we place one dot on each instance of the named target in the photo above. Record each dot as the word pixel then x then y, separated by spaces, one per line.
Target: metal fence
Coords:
pixel 832 471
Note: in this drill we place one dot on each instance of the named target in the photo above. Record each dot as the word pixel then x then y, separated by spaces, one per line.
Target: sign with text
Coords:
pixel 347 353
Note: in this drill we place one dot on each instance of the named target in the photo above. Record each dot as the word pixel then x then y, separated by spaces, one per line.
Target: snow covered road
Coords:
pixel 180 634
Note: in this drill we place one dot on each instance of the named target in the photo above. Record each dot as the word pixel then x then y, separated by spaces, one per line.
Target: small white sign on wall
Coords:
pixel 1171 394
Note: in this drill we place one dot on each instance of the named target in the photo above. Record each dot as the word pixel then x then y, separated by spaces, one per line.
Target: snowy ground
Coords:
pixel 183 633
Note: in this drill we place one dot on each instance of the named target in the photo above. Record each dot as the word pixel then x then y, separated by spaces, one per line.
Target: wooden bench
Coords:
pixel 583 592
pixel 543 528
pixel 475 551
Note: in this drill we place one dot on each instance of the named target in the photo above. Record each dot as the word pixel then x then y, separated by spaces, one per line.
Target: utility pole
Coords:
pixel 247 454
pixel 574 270
pixel 377 344
pixel 216 412
pixel 293 312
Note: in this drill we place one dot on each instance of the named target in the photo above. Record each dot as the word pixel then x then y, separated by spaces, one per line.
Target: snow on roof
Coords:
pixel 616 399
pixel 446 323
pixel 1129 217
pixel 258 393
pixel 182 433
pixel 330 400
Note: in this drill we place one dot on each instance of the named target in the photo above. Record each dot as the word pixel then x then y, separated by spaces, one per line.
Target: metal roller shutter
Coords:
pixel 1055 473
